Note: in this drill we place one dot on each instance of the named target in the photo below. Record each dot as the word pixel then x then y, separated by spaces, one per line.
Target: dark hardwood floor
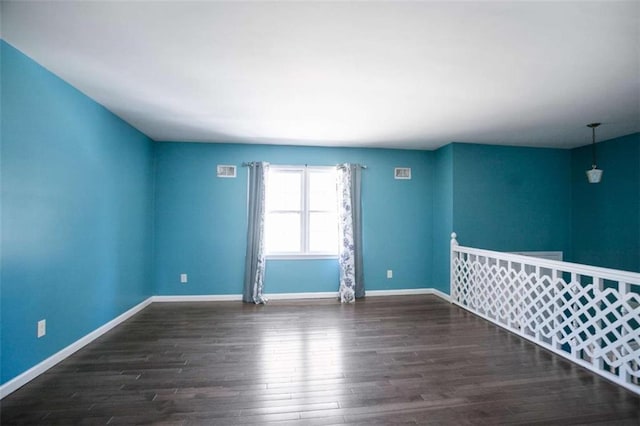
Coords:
pixel 384 360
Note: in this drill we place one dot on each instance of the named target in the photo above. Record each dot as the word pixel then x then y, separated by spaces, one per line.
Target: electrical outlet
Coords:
pixel 42 328
pixel 389 273
pixel 183 278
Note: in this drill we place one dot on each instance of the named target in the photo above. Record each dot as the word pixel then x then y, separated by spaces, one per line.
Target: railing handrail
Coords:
pixel 614 274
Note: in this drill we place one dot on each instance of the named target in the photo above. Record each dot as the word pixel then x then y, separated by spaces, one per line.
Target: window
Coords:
pixel 301 212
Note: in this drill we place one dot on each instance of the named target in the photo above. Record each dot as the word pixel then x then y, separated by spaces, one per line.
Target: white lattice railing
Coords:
pixel 587 314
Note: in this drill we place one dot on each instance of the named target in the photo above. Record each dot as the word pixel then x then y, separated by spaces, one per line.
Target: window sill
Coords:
pixel 301 256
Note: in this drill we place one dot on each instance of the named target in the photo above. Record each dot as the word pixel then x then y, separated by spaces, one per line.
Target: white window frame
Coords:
pixel 305 213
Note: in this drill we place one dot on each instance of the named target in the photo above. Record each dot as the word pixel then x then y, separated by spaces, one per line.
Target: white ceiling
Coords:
pixel 376 74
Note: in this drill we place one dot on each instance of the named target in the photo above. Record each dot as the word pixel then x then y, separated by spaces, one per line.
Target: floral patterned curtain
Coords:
pixel 350 229
pixel 254 259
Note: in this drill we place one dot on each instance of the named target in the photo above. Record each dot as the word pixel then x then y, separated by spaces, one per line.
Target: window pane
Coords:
pixel 282 232
pixel 323 232
pixel 322 190
pixel 283 190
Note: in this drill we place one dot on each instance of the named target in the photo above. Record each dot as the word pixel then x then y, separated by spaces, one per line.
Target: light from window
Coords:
pixel 301 211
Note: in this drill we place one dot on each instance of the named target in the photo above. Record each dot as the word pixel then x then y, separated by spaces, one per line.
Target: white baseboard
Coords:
pixel 408 292
pixel 43 366
pixel 293 296
pixel 54 359
pixel 369 293
pixel 198 298
pixel 309 295
pixel 237 297
pixel 441 294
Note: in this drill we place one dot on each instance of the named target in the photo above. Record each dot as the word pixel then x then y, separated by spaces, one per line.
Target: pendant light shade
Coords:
pixel 595 174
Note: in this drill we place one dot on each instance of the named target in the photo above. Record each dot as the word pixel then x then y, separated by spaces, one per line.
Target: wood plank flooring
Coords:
pixel 384 360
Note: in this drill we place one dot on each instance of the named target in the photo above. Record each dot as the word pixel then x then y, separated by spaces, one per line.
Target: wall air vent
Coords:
pixel 226 171
pixel 402 173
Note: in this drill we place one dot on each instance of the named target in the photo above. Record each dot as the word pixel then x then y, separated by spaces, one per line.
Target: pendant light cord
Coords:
pixel 593 143
pixel 593 147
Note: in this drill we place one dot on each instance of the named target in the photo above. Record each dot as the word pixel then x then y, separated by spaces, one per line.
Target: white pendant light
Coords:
pixel 594 175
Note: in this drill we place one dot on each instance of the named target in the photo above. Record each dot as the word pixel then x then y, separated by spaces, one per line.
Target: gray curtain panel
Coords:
pixel 254 260
pixel 350 228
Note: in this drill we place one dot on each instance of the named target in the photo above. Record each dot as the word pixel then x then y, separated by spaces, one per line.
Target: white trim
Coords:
pixel 304 211
pixel 54 359
pixel 293 296
pixel 309 295
pixel 611 274
pixel 549 255
pixel 407 292
pixel 198 298
pixel 441 294
pixel 237 297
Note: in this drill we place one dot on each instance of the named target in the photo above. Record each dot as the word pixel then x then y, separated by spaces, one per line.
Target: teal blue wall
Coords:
pixel 606 216
pixel 500 198
pixel 512 198
pixel 76 214
pixel 442 215
pixel 200 220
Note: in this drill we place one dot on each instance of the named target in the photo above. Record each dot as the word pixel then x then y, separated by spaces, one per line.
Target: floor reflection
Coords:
pixel 300 353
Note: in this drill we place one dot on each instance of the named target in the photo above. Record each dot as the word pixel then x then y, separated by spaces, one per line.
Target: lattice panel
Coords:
pixel 573 314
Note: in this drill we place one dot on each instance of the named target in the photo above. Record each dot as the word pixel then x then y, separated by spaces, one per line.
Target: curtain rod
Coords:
pixel 247 164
